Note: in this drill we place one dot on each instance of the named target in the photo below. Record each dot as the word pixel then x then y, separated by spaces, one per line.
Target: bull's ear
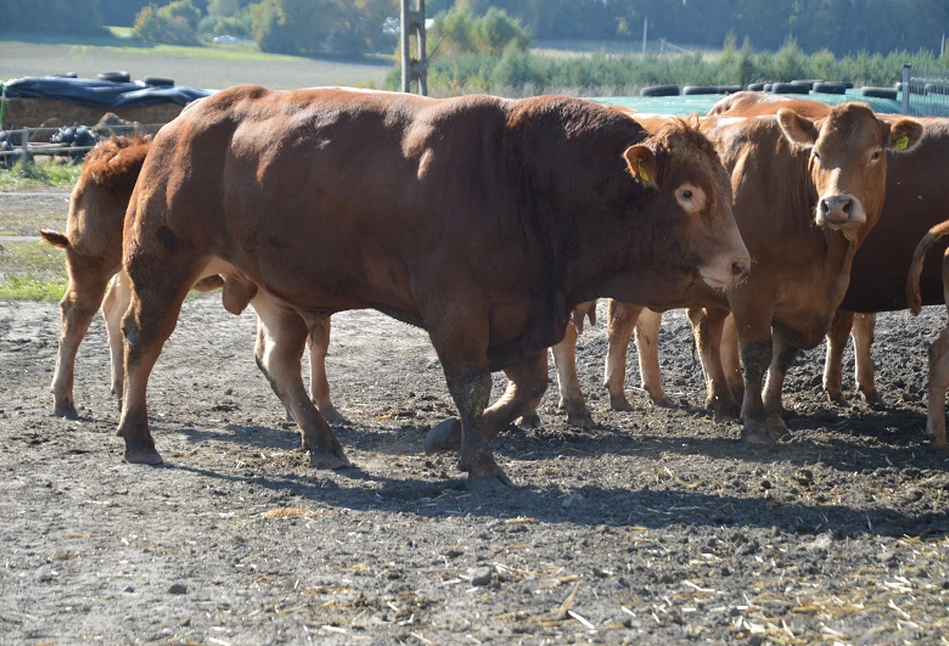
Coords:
pixel 797 129
pixel 642 164
pixel 905 134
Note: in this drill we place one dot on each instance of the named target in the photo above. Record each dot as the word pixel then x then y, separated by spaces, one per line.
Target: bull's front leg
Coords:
pixel 783 354
pixel 864 326
pixel 707 328
pixel 837 337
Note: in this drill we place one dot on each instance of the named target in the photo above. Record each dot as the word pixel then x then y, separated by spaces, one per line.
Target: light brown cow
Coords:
pixel 939 349
pixel 483 220
pixel 93 245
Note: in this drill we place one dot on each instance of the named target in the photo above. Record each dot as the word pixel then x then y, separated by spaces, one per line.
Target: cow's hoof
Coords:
pixel 838 399
pixel 444 436
pixel 581 419
pixel 329 460
pixel 529 422
pixel 68 411
pixel 757 435
pixel 723 411
pixel 489 483
pixel 143 456
pixel 874 401
pixel 620 403
pixel 333 417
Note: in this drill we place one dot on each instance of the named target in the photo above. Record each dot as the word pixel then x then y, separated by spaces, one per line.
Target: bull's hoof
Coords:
pixel 444 436
pixel 66 410
pixel 329 460
pixel 489 483
pixel 838 398
pixel 529 422
pixel 333 417
pixel 143 455
pixel 723 411
pixel 664 402
pixel 874 400
pixel 620 403
pixel 580 419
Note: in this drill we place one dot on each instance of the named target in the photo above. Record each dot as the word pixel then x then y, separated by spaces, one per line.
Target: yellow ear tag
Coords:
pixel 643 175
pixel 902 143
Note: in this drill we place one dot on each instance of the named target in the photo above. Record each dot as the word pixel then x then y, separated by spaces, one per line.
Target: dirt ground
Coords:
pixel 657 527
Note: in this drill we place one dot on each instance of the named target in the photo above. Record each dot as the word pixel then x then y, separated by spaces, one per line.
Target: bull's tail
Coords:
pixel 55 238
pixel 913 297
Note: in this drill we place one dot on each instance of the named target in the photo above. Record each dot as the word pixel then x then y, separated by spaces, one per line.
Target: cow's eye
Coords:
pixel 687 194
pixel 817 156
pixel 876 155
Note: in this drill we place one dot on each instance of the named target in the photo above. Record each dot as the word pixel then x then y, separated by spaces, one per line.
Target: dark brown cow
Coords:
pixel 939 349
pixel 483 220
pixel 93 245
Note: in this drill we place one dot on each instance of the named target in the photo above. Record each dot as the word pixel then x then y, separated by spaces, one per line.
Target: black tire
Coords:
pixel 700 89
pixel 729 89
pixel 660 90
pixel 878 92
pixel 830 88
pixel 755 87
pixel 790 88
pixel 115 77
pixel 157 81
pixel 807 82
pixel 848 84
pixel 65 75
pixel 767 87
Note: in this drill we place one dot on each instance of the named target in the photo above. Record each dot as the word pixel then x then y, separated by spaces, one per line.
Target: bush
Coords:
pixel 174 23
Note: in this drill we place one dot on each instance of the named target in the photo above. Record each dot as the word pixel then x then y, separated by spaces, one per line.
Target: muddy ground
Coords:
pixel 657 527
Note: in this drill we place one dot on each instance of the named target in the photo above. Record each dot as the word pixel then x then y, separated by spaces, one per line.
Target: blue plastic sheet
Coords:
pixel 99 93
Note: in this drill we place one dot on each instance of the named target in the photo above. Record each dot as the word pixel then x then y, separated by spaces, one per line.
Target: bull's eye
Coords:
pixel 817 156
pixel 691 197
pixel 687 194
pixel 876 155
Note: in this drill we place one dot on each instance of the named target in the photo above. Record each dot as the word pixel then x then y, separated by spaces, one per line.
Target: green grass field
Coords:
pixel 212 67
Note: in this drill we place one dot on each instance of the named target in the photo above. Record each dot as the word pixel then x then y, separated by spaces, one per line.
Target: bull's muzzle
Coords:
pixel 840 212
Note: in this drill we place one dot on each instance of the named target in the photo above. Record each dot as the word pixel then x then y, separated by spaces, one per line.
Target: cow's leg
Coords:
pixel 730 361
pixel 753 322
pixel 571 396
pixel 938 384
pixel 281 339
pixel 621 320
pixel 707 328
pixel 319 342
pixel 114 305
pixel 837 337
pixel 78 307
pixel 783 354
pixel 647 347
pixel 864 325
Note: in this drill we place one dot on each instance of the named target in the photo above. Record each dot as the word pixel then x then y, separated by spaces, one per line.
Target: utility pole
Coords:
pixel 414 68
pixel 645 31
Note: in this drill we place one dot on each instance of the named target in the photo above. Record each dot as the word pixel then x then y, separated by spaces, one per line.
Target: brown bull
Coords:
pixel 93 245
pixel 482 220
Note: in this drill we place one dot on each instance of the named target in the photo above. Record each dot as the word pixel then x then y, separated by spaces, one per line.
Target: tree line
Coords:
pixel 355 27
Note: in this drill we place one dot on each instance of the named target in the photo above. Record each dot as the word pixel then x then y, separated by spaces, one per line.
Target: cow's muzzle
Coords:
pixel 840 212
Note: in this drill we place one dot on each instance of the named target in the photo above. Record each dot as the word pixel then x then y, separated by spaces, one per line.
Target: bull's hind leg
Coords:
pixel 281 338
pixel 78 307
pixel 621 320
pixel 157 295
pixel 837 337
pixel 114 305
pixel 864 326
pixel 938 384
pixel 319 342
pixel 783 354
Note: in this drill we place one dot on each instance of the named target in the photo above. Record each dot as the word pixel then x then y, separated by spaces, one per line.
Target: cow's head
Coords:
pixel 848 162
pixel 693 193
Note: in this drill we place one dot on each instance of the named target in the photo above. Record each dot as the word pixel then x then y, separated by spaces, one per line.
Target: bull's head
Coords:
pixel 683 165
pixel 848 162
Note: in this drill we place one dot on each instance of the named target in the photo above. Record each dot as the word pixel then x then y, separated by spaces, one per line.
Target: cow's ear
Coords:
pixel 905 134
pixel 642 164
pixel 797 129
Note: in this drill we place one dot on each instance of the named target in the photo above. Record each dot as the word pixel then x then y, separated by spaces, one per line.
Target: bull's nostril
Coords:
pixel 739 268
pixel 847 206
pixel 824 207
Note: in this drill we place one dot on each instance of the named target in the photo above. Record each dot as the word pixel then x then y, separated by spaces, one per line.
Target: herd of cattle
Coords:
pixel 494 223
